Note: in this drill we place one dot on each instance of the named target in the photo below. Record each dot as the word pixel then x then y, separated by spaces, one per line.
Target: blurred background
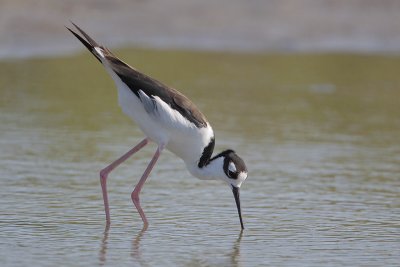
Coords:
pixel 306 91
pixel 36 27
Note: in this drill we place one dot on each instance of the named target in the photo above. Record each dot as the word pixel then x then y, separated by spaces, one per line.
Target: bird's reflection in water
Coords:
pixel 235 254
pixel 229 258
pixel 136 252
pixel 103 246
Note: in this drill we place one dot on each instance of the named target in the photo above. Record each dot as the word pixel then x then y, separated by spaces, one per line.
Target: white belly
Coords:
pixel 131 106
pixel 179 136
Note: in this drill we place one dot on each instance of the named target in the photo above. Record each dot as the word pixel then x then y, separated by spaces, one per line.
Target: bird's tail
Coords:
pixel 100 52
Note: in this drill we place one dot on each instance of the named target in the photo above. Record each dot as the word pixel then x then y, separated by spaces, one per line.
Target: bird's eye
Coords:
pixel 231 174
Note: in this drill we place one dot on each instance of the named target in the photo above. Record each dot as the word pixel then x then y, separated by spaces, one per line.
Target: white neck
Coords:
pixel 212 171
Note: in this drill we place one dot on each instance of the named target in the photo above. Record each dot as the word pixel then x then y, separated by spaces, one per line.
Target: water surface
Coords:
pixel 320 135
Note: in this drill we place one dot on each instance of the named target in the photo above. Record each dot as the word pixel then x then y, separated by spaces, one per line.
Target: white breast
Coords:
pixel 163 124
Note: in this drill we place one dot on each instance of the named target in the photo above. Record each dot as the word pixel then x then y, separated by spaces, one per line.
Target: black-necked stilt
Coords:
pixel 169 119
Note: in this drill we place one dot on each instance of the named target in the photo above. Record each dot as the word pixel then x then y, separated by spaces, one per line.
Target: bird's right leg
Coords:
pixel 139 186
pixel 104 174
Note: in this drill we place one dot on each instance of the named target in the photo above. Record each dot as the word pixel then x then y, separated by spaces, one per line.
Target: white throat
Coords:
pixel 212 171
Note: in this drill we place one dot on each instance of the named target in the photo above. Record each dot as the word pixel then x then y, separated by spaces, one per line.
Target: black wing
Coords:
pixel 137 81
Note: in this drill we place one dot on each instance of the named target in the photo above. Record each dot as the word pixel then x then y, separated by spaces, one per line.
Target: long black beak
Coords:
pixel 236 194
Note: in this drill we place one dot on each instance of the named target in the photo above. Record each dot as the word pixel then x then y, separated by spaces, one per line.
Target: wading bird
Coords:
pixel 169 119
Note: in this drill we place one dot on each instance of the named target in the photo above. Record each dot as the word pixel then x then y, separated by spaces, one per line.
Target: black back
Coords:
pixel 137 81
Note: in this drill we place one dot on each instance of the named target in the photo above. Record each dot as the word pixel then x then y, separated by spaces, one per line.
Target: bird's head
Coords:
pixel 234 168
pixel 234 173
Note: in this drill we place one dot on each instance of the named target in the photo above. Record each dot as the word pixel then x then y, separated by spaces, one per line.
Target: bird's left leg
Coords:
pixel 138 187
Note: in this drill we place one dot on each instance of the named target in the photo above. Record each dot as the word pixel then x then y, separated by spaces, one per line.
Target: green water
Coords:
pixel 332 94
pixel 320 134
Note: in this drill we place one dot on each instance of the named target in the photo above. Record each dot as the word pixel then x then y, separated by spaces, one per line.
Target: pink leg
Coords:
pixel 138 187
pixel 104 174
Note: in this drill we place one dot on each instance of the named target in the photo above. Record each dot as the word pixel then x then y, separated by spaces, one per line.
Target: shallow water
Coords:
pixel 320 135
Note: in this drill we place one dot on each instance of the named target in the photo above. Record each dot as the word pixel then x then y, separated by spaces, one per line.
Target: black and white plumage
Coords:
pixel 169 119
